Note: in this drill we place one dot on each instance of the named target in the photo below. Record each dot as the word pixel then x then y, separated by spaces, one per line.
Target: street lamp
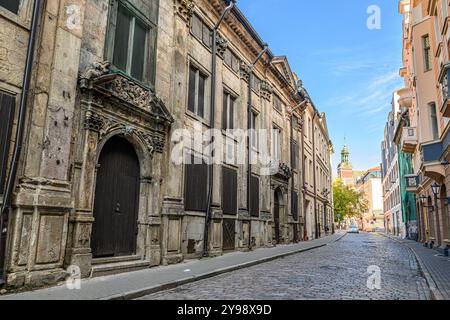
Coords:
pixel 436 189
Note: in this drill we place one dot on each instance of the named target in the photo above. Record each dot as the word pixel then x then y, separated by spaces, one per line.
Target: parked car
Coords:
pixel 353 229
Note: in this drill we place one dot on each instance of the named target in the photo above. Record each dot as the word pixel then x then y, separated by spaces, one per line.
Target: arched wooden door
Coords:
pixel 276 214
pixel 116 200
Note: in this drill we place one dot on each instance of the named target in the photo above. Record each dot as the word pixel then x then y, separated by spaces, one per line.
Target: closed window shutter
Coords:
pixel 196 185
pixel 207 36
pixel 229 191
pixel 254 197
pixel 295 205
pixel 7 110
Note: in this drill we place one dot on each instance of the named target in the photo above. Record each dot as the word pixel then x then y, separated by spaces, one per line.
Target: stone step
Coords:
pixel 118 267
pixel 100 261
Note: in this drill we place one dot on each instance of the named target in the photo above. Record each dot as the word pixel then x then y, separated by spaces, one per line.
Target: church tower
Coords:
pixel 345 168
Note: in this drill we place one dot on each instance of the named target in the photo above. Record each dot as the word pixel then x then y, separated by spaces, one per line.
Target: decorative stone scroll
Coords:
pixel 222 45
pixel 245 71
pixel 185 9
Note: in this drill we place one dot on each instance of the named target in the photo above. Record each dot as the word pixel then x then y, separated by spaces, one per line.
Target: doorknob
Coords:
pixel 118 208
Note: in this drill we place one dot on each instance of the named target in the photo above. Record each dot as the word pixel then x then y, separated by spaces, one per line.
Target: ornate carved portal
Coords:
pixel 114 105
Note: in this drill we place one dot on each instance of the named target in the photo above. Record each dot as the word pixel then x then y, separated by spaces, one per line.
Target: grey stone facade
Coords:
pixel 79 101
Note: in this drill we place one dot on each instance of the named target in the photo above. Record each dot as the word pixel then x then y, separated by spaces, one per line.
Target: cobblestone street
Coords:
pixel 337 271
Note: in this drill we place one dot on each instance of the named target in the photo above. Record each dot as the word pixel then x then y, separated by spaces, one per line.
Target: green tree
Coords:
pixel 348 203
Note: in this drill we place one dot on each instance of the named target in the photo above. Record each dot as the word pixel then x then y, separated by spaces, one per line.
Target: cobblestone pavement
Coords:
pixel 338 271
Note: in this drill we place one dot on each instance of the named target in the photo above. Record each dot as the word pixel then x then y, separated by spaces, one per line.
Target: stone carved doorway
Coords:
pixel 116 200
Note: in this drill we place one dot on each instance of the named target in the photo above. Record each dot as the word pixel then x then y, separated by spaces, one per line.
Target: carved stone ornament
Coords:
pixel 185 9
pixel 245 71
pixel 222 45
pixel 93 121
pixel 266 90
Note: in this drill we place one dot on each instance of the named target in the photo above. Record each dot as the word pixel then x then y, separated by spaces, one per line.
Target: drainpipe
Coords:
pixel 212 121
pixel 249 142
pixel 19 132
pixel 315 178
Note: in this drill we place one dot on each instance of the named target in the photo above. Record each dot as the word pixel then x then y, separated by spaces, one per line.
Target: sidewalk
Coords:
pixel 435 267
pixel 140 283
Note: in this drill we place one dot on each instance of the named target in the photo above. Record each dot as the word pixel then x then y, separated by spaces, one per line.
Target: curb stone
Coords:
pixel 435 293
pixel 174 284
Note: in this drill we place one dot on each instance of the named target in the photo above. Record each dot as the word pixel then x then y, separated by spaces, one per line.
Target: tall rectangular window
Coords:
pixel 437 28
pixel 131 42
pixel 7 110
pixel 276 144
pixel 426 52
pixel 231 60
pixel 196 95
pixel 11 5
pixel 201 31
pixel 196 185
pixel 295 205
pixel 294 155
pixel 433 121
pixel 228 111
pixel 254 128
pixel 278 105
pixel 254 197
pixel 229 191
pixel 444 4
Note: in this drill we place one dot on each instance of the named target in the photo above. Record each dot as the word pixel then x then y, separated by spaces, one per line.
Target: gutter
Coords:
pixel 37 10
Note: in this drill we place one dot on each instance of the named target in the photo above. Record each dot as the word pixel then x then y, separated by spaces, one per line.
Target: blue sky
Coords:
pixel 349 70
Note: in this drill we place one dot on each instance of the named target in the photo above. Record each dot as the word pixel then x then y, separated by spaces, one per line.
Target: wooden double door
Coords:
pixel 116 205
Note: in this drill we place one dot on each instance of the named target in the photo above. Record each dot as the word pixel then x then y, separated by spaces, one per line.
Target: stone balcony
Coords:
pixel 405 97
pixel 409 140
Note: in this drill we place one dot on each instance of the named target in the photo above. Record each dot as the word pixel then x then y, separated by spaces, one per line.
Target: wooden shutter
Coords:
pixel 207 36
pixel 229 191
pixel 196 186
pixel 7 110
pixel 295 205
pixel 191 94
pixel 254 197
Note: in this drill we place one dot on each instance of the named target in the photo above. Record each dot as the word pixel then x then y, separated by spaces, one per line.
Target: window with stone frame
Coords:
pixel 256 83
pixel 426 52
pixel 201 31
pixel 229 191
pixel 254 197
pixel 197 92
pixel 277 103
pixel 228 109
pixel 196 185
pixel 231 60
pixel 254 129
pixel 11 5
pixel 7 111
pixel 131 40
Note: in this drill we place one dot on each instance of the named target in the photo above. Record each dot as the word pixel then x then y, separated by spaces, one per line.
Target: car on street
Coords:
pixel 353 229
